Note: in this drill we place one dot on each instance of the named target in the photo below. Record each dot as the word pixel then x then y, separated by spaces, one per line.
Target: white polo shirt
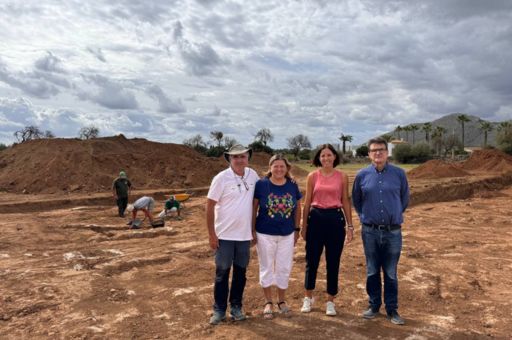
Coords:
pixel 234 196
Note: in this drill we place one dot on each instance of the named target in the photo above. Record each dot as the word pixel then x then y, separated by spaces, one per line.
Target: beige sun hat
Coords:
pixel 237 149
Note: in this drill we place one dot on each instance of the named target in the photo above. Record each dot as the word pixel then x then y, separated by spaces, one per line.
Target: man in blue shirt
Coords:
pixel 380 195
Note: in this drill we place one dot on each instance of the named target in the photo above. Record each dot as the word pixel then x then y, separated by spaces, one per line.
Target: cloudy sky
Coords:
pixel 168 70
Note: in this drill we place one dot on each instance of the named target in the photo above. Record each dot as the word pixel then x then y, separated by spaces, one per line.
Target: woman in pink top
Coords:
pixel 327 210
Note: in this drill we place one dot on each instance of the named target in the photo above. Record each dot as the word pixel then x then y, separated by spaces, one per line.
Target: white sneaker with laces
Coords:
pixel 330 310
pixel 306 305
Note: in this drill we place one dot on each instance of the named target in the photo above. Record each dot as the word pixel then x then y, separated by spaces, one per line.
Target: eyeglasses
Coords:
pixel 244 183
pixel 382 150
pixel 239 156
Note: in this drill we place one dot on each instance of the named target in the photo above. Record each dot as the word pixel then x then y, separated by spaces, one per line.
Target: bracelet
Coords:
pixel 350 226
pixel 297 229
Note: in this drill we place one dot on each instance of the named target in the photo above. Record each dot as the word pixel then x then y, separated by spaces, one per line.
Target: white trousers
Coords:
pixel 275 254
pixel 169 213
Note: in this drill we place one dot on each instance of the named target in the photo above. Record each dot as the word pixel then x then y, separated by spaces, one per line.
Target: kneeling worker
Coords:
pixel 171 206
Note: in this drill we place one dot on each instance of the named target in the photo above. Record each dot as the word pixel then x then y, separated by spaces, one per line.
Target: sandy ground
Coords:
pixel 78 273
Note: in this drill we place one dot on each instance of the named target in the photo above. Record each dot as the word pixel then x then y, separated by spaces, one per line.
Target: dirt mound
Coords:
pixel 56 165
pixel 489 160
pixel 437 169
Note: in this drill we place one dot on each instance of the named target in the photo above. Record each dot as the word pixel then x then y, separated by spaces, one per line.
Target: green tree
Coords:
pixel 229 142
pixel 3 146
pixel 387 136
pixel 427 128
pixel 297 143
pixel 437 139
pixel 407 129
pixel 344 139
pixel 398 129
pixel 485 127
pixel 217 136
pixel 197 143
pixel 89 132
pixel 264 135
pixel 504 137
pixel 414 128
pixel 402 153
pixel 421 152
pixel 462 119
pixel 362 151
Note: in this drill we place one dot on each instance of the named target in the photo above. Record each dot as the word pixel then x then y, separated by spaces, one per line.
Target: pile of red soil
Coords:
pixel 57 165
pixel 490 160
pixel 437 169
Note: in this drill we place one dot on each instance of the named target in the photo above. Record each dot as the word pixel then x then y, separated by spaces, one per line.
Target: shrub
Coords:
pixel 402 153
pixel 421 153
pixel 362 151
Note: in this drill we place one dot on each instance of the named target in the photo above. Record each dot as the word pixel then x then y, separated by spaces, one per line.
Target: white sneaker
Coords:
pixel 306 305
pixel 330 310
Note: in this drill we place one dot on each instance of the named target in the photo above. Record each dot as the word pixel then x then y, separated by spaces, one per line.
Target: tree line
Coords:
pixel 438 142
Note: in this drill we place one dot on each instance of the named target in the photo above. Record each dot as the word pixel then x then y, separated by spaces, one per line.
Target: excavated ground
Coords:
pixel 70 269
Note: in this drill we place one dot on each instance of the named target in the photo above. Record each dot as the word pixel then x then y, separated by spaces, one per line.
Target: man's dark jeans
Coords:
pixel 236 254
pixel 382 250
pixel 122 203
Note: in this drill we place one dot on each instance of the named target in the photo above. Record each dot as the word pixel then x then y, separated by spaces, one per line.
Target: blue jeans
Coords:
pixel 382 250
pixel 236 254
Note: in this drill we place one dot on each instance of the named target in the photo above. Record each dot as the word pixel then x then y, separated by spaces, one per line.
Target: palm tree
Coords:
pixel 398 129
pixel 413 128
pixel 406 129
pixel 462 118
pixel 217 136
pixel 344 139
pixel 486 127
pixel 505 125
pixel 427 128
pixel 437 138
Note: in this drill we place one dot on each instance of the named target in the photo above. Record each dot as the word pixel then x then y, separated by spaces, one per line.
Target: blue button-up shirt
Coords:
pixel 380 197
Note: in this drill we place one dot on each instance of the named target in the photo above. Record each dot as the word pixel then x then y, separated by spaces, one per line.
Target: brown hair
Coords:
pixel 279 157
pixel 316 159
pixel 378 140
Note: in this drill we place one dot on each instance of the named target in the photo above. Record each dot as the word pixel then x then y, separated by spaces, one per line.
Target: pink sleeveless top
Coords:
pixel 327 191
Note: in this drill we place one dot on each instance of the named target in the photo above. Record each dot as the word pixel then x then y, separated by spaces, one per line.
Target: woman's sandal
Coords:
pixel 283 310
pixel 268 312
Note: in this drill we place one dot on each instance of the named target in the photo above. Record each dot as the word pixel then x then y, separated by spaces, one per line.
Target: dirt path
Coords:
pixel 79 273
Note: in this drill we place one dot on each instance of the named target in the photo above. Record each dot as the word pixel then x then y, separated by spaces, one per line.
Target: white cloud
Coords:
pixel 314 67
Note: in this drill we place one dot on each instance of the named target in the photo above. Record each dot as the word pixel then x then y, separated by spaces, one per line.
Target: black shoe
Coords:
pixel 395 318
pixel 370 313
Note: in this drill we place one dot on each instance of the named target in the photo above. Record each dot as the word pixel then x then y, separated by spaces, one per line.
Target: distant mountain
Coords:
pixel 473 136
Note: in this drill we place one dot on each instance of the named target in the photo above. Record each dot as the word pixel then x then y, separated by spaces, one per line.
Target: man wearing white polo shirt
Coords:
pixel 228 218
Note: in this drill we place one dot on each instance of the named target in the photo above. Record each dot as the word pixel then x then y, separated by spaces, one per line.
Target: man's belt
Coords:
pixel 388 227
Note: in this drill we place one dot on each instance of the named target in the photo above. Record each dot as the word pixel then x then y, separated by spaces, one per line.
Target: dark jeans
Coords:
pixel 236 254
pixel 326 228
pixel 122 203
pixel 382 250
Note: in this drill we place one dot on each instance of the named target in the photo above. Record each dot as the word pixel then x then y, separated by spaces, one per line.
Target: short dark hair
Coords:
pixel 316 159
pixel 378 140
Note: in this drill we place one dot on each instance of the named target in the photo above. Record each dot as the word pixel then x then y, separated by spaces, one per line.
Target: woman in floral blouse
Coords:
pixel 276 219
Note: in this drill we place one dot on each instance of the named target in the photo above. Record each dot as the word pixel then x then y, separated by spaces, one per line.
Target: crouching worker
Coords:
pixel 172 206
pixel 146 204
